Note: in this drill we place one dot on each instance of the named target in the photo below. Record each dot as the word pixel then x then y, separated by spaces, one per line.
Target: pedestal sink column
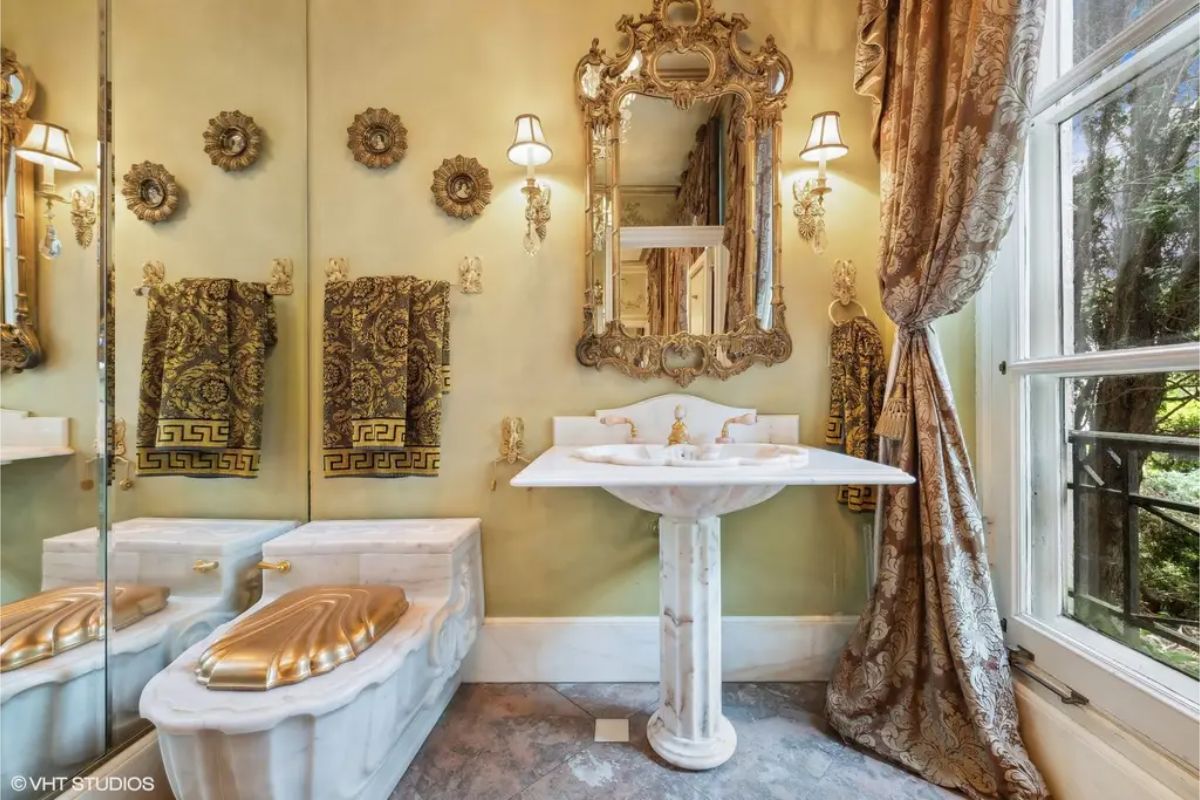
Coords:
pixel 688 729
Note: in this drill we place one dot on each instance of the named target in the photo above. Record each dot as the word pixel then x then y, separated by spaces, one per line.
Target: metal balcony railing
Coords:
pixel 1109 465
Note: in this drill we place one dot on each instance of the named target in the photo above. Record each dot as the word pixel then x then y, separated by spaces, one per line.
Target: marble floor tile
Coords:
pixel 493 741
pixel 534 742
pixel 611 700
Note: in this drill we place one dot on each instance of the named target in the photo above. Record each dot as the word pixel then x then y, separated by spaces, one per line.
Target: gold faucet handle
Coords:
pixel 282 567
pixel 202 565
pixel 621 421
pixel 749 418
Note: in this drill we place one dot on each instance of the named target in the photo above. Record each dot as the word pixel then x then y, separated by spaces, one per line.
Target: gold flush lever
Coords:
pixel 282 567
pixel 202 566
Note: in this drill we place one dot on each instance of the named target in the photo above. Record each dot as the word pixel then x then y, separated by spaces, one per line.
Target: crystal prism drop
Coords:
pixel 51 244
pixel 532 243
pixel 820 238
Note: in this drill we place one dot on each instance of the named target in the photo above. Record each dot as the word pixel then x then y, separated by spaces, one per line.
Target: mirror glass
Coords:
pixel 205 518
pixel 685 181
pixel 51 726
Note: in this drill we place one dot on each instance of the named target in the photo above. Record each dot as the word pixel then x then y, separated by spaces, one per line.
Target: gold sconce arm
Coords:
pixel 282 567
pixel 203 565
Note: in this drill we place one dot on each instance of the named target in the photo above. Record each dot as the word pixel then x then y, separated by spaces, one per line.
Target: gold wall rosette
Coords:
pixel 150 192
pixel 378 138
pixel 461 187
pixel 233 140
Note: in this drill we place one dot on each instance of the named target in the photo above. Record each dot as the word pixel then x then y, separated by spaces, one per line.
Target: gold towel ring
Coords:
pixel 861 309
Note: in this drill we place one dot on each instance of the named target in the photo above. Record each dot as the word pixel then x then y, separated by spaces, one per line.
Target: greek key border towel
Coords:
pixel 367 379
pixel 857 375
pixel 379 338
pixel 203 378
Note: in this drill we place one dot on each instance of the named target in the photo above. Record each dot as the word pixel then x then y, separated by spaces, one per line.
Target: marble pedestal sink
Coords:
pixel 689 729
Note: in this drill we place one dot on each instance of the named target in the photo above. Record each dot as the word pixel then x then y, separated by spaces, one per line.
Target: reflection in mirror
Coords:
pixel 52 628
pixel 196 517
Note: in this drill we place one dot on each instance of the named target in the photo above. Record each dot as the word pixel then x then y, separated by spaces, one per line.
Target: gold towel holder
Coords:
pixel 338 269
pixel 281 282
pixel 282 567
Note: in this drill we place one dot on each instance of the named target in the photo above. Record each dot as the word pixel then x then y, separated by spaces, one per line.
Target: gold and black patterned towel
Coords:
pixel 386 366
pixel 203 378
pixel 858 375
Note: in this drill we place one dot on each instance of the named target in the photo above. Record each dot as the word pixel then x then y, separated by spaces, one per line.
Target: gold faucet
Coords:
pixel 621 421
pixel 679 431
pixel 749 418
pixel 282 567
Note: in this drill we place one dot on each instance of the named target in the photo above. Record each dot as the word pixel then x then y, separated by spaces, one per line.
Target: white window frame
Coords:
pixel 1150 698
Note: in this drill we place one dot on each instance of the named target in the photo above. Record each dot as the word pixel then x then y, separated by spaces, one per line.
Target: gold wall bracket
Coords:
pixel 512 444
pixel 338 269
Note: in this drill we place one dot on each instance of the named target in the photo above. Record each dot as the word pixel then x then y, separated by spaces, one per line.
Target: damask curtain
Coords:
pixel 925 680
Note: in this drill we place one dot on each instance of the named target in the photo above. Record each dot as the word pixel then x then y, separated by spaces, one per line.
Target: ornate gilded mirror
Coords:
pixel 683 267
pixel 19 345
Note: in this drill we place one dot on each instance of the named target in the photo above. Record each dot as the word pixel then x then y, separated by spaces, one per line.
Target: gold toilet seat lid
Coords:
pixel 48 623
pixel 302 633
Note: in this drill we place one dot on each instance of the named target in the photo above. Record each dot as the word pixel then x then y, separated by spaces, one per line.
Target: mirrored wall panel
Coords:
pixel 52 598
pixel 209 298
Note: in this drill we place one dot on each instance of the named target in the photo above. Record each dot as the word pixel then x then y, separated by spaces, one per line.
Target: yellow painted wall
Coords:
pixel 175 65
pixel 42 498
pixel 457 73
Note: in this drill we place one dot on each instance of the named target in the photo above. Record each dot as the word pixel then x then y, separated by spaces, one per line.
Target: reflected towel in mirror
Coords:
pixel 203 378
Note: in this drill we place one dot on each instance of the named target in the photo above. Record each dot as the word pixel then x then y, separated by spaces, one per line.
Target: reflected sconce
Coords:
pixel 824 144
pixel 529 150
pixel 49 146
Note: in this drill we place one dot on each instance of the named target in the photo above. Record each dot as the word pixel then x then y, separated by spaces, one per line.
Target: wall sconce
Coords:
pixel 49 146
pixel 824 144
pixel 529 150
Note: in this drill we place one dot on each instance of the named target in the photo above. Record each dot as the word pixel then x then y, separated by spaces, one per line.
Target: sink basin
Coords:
pixel 690 486
pixel 708 456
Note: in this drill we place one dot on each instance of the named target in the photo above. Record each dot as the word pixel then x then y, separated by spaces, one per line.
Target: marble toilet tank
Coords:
pixel 351 732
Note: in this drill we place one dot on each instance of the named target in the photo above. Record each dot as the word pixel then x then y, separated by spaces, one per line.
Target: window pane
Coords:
pixel 1130 236
pixel 1133 501
pixel 1095 22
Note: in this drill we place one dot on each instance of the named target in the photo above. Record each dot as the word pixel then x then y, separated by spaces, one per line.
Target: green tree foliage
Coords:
pixel 1135 251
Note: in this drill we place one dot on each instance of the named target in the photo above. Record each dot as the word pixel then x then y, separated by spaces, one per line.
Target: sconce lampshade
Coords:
pixel 825 139
pixel 529 148
pixel 49 145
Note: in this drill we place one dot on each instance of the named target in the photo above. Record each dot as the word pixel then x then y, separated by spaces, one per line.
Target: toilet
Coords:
pixel 353 731
pixel 56 705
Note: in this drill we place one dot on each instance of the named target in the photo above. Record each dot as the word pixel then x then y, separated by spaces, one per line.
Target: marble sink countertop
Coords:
pixel 561 467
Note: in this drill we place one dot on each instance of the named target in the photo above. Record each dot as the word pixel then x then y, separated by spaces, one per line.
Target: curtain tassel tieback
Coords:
pixel 894 414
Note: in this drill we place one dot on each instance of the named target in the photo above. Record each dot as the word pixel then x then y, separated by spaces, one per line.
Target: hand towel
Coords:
pixel 858 375
pixel 375 396
pixel 203 378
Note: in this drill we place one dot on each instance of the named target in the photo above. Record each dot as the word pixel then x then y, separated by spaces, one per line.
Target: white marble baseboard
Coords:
pixel 625 649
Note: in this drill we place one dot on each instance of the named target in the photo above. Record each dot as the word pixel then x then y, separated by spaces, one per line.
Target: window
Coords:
pixel 1090 475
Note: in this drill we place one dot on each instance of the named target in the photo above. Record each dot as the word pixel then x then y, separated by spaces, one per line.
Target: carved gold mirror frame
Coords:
pixel 20 347
pixel 759 81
